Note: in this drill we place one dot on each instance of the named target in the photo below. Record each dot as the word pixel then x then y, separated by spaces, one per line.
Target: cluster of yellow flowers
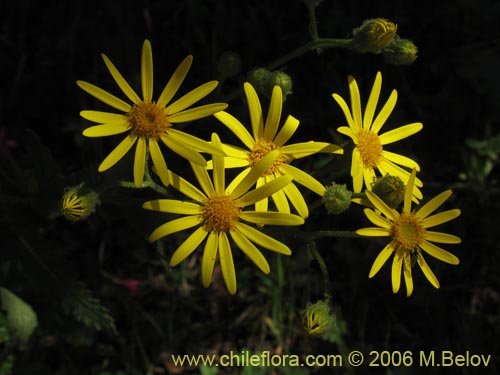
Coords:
pixel 219 212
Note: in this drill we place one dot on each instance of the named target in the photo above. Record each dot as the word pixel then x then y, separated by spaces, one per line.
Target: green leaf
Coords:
pixel 87 309
pixel 21 319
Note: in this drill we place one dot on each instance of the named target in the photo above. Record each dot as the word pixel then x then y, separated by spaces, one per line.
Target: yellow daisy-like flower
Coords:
pixel 147 121
pixel 410 234
pixel 369 153
pixel 218 214
pixel 266 138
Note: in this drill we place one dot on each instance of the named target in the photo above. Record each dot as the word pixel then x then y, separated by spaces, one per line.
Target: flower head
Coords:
pixel 265 139
pixel 78 202
pixel 147 122
pixel 410 236
pixel 218 213
pixel 373 35
pixel 369 152
pixel 317 318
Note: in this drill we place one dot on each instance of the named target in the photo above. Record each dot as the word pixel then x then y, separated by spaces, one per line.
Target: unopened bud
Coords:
pixel 390 189
pixel 78 202
pixel 373 35
pixel 281 79
pixel 318 318
pixel 259 77
pixel 400 52
pixel 229 64
pixel 337 198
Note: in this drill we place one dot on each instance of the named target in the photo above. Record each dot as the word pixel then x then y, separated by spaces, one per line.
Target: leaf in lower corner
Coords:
pixel 88 310
pixel 21 319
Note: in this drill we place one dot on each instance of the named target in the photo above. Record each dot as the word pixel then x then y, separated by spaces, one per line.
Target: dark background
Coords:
pixel 452 88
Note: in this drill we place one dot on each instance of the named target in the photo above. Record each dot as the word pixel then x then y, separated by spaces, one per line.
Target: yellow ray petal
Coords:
pixel 103 117
pixel 399 133
pixel 388 167
pixel 287 130
pixel 203 179
pixel 191 97
pixel 348 132
pixel 357 171
pixel 188 246
pixel 440 218
pixel 186 187
pixel 236 127
pixel 380 205
pixel 159 161
pixel 105 130
pixel 175 82
pixel 174 226
pixel 433 204
pixel 255 111
pixel 195 142
pixel 409 192
pixel 279 199
pixel 250 251
pixel 427 271
pixel 273 114
pixel 208 260
pixel 439 253
pixel 237 180
pixel 262 239
pixel 117 153
pixel 255 172
pixel 264 191
pixel 303 178
pixel 371 105
pixel 263 204
pixel 401 160
pixel 397 263
pixel 183 150
pixel 385 112
pixel 173 206
pixel 196 113
pixel 271 218
pixel 368 177
pixel 300 150
pixel 347 113
pixel 139 162
pixel 297 200
pixel 355 102
pixel 104 96
pixel 377 219
pixel 121 82
pixel 226 263
pixel 147 71
pixel 374 232
pixel 219 174
pixel 442 237
pixel 381 259
pixel 407 274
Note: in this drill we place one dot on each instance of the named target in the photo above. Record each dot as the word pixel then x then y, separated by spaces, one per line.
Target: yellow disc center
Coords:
pixel 261 149
pixel 219 213
pixel 369 147
pixel 408 232
pixel 148 120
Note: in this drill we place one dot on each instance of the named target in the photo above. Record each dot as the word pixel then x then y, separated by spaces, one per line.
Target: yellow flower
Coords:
pixel 369 153
pixel 78 202
pixel 409 235
pixel 147 121
pixel 266 138
pixel 218 214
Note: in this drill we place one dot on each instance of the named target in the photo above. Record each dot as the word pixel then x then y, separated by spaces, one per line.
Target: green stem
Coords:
pixel 313 24
pixel 311 245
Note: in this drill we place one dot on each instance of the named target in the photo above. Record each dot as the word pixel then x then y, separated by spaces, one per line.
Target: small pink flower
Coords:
pixel 131 285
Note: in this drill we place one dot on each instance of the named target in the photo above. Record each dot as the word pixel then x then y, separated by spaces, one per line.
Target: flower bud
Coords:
pixel 400 52
pixel 390 189
pixel 281 79
pixel 373 35
pixel 317 318
pixel 258 78
pixel 229 64
pixel 78 202
pixel 337 198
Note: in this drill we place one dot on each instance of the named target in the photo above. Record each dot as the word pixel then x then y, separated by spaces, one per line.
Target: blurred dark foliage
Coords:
pixel 453 89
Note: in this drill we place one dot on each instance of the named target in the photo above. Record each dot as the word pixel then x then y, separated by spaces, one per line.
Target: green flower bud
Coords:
pixel 281 79
pixel 229 64
pixel 317 318
pixel 78 202
pixel 373 35
pixel 390 189
pixel 337 198
pixel 400 52
pixel 259 77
